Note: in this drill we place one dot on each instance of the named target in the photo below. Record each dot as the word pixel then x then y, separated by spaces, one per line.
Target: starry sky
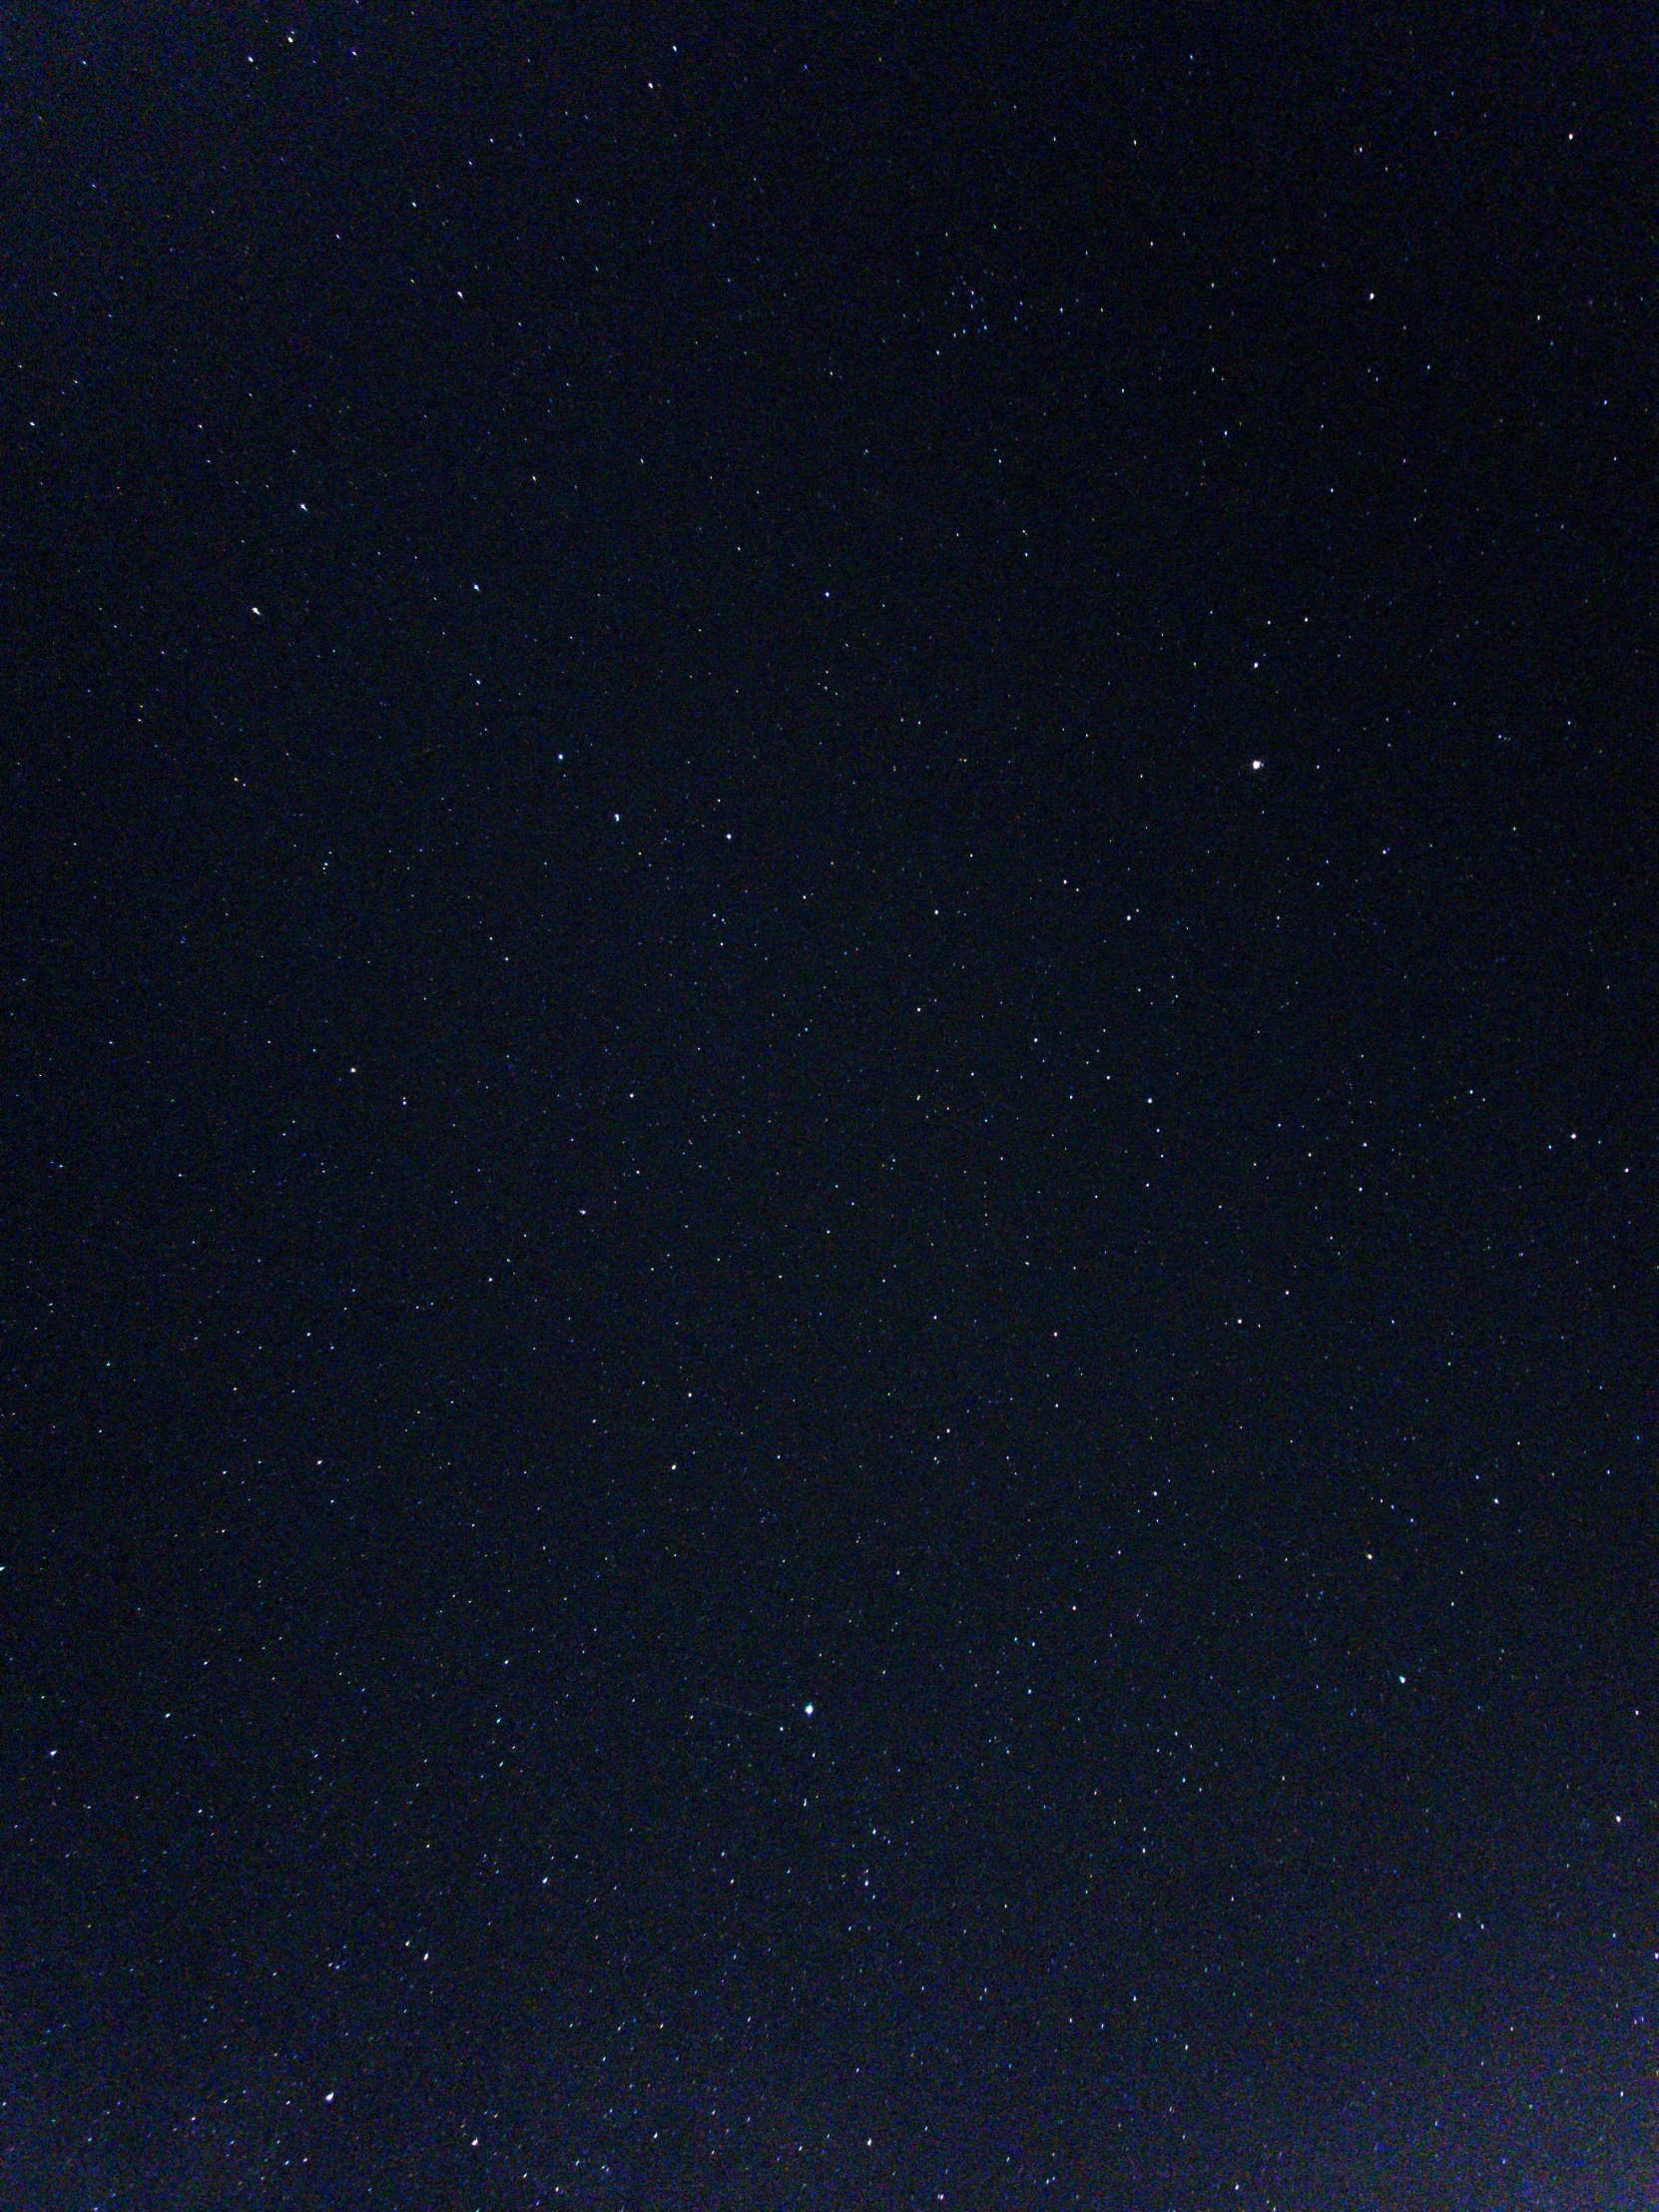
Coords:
pixel 830 908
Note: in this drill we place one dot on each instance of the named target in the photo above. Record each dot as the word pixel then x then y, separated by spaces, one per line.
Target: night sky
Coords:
pixel 830 908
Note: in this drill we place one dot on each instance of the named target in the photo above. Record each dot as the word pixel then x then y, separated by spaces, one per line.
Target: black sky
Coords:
pixel 829 1313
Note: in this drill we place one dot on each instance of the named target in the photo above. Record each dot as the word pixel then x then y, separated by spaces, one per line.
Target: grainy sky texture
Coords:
pixel 828 997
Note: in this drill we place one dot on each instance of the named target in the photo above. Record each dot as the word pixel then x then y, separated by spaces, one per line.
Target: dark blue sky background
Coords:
pixel 827 1016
